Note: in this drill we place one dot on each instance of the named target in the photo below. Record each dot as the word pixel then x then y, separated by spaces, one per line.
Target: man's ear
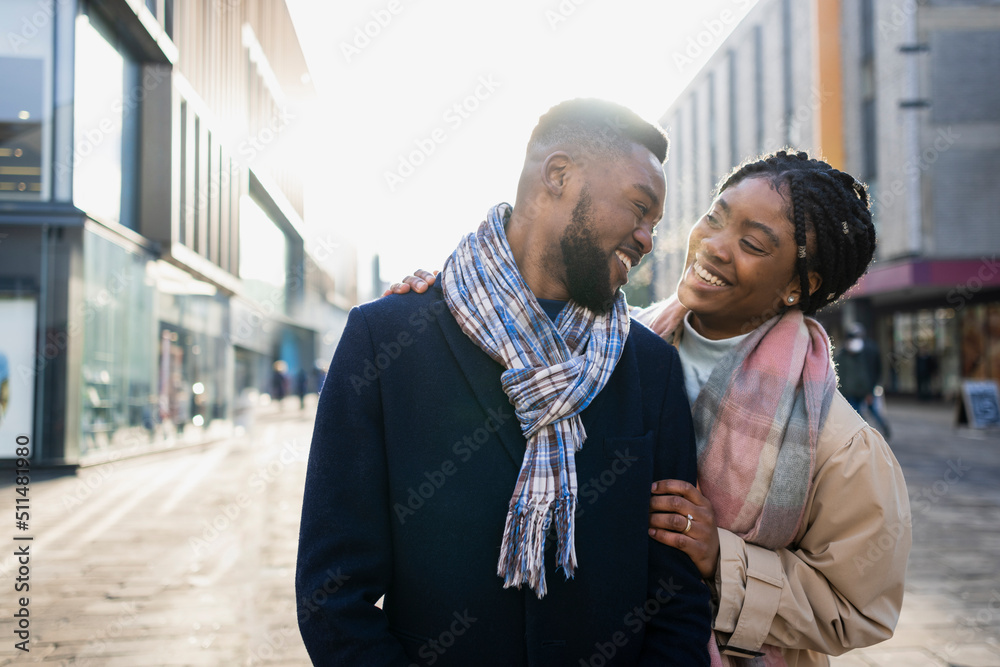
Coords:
pixel 556 172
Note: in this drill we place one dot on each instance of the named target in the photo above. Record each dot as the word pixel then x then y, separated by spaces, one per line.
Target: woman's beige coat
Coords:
pixel 840 586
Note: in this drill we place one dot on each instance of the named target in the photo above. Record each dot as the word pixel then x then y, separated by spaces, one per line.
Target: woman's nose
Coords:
pixel 717 244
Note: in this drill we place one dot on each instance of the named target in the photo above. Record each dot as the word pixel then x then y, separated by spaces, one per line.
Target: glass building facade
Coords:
pixel 151 276
pixel 26 69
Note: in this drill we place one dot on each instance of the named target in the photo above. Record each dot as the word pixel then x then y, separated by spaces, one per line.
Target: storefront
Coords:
pixel 937 323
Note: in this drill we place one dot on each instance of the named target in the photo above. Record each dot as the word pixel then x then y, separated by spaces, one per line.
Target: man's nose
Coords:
pixel 643 236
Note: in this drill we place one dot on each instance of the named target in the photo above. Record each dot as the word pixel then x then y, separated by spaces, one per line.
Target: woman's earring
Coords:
pixel 791 299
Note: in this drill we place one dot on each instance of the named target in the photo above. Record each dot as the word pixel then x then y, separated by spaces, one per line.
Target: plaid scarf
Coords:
pixel 553 372
pixel 757 423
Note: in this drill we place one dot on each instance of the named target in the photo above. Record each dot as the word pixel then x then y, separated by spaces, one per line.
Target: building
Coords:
pixel 154 259
pixel 901 94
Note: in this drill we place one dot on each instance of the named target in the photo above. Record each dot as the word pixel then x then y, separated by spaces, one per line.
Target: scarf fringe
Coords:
pixel 522 554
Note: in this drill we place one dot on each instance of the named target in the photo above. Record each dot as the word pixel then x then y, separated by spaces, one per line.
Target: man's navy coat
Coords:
pixel 413 462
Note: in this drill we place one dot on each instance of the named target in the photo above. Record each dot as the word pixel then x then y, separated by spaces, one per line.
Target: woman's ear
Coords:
pixel 794 294
pixel 815 280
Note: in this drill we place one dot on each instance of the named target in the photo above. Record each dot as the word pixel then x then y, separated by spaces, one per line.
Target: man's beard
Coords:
pixel 588 276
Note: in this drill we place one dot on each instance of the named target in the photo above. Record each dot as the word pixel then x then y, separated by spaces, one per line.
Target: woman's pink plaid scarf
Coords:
pixel 757 423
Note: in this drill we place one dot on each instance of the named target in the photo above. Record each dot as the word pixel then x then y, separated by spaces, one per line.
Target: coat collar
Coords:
pixel 476 365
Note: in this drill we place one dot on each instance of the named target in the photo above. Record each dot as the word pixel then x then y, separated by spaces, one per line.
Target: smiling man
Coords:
pixel 491 480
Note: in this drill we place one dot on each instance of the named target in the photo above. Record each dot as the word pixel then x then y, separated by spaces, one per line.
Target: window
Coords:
pixel 108 93
pixel 184 221
pixel 758 86
pixel 713 157
pixel 263 255
pixel 26 101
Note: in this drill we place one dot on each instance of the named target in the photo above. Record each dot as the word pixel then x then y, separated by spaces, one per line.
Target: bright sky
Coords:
pixel 426 117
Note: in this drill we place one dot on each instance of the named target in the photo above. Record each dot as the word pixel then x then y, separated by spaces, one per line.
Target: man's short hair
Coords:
pixel 599 127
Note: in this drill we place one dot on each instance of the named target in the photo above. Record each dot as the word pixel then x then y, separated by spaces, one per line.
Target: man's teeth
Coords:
pixel 625 260
pixel 708 277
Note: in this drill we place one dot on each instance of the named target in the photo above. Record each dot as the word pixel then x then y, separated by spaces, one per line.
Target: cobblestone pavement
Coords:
pixel 187 557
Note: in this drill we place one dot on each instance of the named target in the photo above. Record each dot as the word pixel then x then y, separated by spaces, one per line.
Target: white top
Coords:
pixel 699 356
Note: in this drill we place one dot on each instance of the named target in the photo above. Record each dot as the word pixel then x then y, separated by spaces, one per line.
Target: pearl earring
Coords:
pixel 791 299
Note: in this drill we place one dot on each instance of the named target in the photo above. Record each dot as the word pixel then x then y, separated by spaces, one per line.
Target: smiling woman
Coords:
pixel 793 485
pixel 741 260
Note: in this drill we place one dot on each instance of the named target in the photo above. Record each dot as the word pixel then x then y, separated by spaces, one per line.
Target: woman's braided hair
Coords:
pixel 831 204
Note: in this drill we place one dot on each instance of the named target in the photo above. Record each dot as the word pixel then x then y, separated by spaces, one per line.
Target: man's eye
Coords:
pixel 642 210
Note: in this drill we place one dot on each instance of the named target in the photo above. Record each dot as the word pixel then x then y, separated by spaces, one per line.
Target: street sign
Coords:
pixel 979 404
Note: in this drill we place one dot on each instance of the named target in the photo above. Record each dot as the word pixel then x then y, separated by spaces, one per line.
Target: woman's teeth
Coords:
pixel 625 260
pixel 708 277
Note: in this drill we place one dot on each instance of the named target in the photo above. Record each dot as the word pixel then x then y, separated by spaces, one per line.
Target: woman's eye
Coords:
pixel 712 220
pixel 752 247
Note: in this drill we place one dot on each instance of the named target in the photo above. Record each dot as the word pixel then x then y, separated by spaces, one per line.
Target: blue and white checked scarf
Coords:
pixel 553 372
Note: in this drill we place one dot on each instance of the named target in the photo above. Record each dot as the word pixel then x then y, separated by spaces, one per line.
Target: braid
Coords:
pixel 799 206
pixel 827 204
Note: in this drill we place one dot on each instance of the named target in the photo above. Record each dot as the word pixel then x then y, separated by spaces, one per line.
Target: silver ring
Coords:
pixel 687 527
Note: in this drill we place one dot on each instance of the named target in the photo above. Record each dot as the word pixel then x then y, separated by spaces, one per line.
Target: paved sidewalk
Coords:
pixel 176 558
pixel 951 609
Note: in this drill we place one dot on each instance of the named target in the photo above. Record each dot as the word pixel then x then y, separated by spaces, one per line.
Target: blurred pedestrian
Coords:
pixel 302 387
pixel 859 367
pixel 927 367
pixel 279 382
